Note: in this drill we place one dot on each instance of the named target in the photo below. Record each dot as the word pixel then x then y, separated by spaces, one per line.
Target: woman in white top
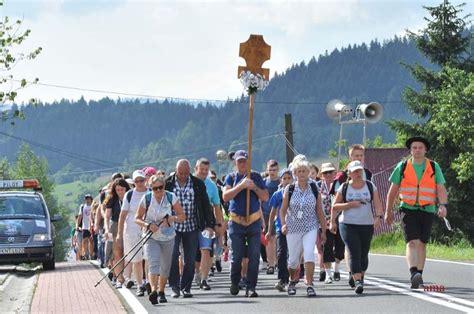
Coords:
pixel 300 216
pixel 355 200
pixel 156 214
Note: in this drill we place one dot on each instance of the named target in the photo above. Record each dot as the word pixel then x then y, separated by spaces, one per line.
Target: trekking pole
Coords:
pixel 147 236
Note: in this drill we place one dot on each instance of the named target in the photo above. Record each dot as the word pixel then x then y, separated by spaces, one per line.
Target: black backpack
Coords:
pixel 314 188
pixel 345 186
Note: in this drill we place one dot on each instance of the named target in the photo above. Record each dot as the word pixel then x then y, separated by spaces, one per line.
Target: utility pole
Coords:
pixel 289 139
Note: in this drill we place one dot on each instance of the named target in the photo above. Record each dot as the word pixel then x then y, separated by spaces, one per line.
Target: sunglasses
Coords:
pixel 158 188
pixel 139 180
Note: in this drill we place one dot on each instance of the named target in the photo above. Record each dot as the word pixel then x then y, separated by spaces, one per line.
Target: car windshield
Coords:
pixel 21 206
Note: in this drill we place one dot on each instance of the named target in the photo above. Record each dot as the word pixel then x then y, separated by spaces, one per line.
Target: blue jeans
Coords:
pixel 357 239
pixel 190 247
pixel 282 257
pixel 241 235
pixel 101 247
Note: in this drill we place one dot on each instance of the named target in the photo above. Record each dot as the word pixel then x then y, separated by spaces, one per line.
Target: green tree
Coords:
pixel 28 165
pixel 445 108
pixel 11 37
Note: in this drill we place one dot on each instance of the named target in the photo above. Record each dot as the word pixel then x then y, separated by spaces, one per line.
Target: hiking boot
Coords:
pixel 251 293
pixel 129 284
pixel 204 286
pixel 351 281
pixel 162 296
pixel 416 281
pixel 187 294
pixel 234 289
pixel 337 276
pixel 153 297
pixel 359 287
pixel 322 275
pixel 280 286
pixel 175 293
pixel 140 292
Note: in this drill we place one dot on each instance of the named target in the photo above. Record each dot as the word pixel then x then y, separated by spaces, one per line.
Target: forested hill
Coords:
pixel 105 134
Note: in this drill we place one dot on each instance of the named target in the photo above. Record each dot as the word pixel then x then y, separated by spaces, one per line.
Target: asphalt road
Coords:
pixel 16 288
pixel 386 291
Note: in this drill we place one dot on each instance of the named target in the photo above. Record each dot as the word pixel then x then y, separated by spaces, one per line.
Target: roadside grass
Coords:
pixel 393 243
pixel 68 194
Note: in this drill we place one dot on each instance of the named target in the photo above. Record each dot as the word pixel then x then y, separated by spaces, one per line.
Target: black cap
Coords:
pixel 417 139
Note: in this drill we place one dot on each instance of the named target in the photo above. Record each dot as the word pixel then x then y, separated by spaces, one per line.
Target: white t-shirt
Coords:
pixel 156 212
pixel 361 215
pixel 85 211
pixel 132 207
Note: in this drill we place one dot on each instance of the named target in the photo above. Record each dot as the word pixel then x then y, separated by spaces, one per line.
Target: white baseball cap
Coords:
pixel 138 174
pixel 354 165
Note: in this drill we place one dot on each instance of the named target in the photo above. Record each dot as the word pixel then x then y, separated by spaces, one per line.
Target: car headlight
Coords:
pixel 41 237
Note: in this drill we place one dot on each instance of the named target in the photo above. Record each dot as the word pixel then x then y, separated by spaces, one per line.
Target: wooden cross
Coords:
pixel 255 51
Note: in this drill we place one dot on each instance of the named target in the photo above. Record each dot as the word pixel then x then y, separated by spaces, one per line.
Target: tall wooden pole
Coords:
pixel 249 159
pixel 289 139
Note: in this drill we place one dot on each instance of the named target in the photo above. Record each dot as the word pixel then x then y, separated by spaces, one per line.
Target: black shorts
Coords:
pixel 86 234
pixel 416 225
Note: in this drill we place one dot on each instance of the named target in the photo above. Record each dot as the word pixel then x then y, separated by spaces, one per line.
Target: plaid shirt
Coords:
pixel 186 199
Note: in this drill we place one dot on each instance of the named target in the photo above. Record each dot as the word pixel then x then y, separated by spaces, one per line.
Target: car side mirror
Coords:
pixel 56 217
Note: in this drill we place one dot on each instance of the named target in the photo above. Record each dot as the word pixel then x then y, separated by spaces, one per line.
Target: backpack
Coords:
pixel 313 186
pixel 79 222
pixel 345 186
pixel 404 165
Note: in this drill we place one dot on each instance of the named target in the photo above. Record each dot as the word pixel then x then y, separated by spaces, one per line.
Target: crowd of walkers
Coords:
pixel 190 222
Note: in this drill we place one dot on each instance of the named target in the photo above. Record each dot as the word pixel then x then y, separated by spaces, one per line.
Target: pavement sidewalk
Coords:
pixel 70 289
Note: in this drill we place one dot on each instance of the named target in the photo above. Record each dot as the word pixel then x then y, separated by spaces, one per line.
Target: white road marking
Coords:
pixel 429 259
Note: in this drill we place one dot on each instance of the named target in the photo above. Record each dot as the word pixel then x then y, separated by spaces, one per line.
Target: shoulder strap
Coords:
pixel 147 201
pixel 291 189
pixel 370 186
pixel 402 170
pixel 169 197
pixel 314 188
pixel 129 195
pixel 433 166
pixel 345 186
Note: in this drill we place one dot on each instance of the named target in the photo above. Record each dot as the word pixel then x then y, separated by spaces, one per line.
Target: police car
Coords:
pixel 26 231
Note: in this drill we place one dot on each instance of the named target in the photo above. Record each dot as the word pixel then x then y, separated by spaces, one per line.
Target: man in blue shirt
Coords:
pixel 241 230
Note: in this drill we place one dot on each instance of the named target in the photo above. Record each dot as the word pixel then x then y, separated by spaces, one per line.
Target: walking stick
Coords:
pixel 255 51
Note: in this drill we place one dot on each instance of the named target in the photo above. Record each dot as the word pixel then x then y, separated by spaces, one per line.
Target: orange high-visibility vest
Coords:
pixel 424 191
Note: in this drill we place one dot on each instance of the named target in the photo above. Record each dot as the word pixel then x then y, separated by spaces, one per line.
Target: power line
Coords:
pixel 88 159
pixel 184 99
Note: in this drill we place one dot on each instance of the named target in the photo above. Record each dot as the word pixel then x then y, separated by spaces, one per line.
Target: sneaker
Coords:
pixel 234 289
pixel 204 286
pixel 110 275
pixel 118 285
pixel 140 292
pixel 175 293
pixel 359 287
pixel 280 286
pixel 242 284
pixel 218 266
pixel 251 293
pixel 291 288
pixel 322 275
pixel 187 294
pixel 328 280
pixel 416 281
pixel 162 296
pixel 211 271
pixel 129 284
pixel 337 276
pixel 153 297
pixel 270 270
pixel 148 288
pixel 310 292
pixel 197 279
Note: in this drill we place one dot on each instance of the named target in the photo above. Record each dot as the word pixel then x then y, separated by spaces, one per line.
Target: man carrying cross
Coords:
pixel 244 231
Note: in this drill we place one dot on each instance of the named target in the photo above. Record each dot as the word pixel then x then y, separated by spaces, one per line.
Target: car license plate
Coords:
pixel 12 250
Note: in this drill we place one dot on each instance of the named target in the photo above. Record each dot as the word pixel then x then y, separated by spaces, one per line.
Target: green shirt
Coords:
pixel 396 178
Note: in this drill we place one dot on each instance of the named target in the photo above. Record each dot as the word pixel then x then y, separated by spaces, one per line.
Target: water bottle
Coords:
pixel 207 234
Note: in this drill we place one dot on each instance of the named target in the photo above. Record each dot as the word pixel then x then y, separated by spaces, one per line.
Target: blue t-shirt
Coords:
pixel 212 192
pixel 272 187
pixel 238 205
pixel 276 201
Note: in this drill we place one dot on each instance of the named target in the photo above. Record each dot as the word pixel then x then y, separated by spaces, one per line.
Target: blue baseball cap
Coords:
pixel 241 154
pixel 285 171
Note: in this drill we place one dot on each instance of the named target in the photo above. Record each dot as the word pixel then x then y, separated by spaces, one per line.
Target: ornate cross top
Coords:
pixel 255 51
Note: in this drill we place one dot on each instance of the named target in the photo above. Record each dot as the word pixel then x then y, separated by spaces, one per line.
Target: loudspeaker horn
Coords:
pixel 373 111
pixel 336 108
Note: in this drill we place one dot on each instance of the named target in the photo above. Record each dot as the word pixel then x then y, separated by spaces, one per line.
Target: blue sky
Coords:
pixel 189 48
